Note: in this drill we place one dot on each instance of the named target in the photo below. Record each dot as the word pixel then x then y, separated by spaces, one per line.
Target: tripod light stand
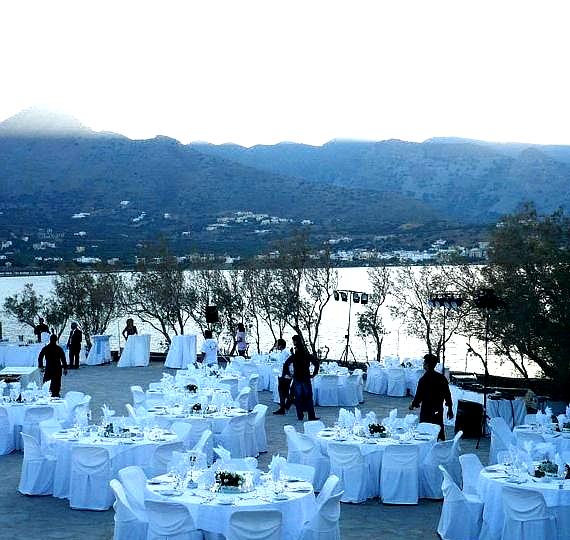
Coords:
pixel 350 296
pixel 447 301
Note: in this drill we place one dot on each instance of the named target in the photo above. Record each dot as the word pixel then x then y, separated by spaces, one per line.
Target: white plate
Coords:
pixel 170 492
pixel 225 502
pixel 281 497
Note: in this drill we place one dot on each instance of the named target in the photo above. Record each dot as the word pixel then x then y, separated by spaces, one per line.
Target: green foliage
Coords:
pixel 27 306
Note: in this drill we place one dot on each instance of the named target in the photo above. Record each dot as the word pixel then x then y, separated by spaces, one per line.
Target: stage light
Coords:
pixel 356 298
pixel 336 295
pixel 343 296
pixel 364 299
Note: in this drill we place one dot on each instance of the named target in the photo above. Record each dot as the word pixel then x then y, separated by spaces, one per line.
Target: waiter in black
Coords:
pixel 301 361
pixel 55 361
pixel 284 383
pixel 40 328
pixel 74 346
pixel 433 390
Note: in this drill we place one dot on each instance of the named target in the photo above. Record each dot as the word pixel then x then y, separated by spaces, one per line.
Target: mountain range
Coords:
pixel 104 195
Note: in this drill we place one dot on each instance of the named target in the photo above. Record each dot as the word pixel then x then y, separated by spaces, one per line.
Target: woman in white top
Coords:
pixel 209 349
pixel 241 339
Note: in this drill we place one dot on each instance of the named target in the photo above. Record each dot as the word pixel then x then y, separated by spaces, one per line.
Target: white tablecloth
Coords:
pixel 123 452
pixel 136 352
pixel 512 411
pixel 26 374
pixel 14 355
pixel 182 352
pixel 100 352
pixel 490 490
pixel 216 422
pixel 560 441
pixel 211 516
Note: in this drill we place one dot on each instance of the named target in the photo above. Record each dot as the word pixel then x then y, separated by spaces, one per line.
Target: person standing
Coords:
pixel 40 328
pixel 209 349
pixel 74 346
pixel 55 362
pixel 130 329
pixel 433 390
pixel 241 339
pixel 301 362
pixel 285 380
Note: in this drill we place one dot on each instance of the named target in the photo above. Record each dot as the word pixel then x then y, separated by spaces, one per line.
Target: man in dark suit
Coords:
pixel 74 346
pixel 284 382
pixel 55 361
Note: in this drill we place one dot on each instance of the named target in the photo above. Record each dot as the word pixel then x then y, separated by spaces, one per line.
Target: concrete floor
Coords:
pixel 36 518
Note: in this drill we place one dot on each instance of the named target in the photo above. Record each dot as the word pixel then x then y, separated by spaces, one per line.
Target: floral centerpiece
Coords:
pixel 192 388
pixel 566 472
pixel 377 430
pixel 229 481
pixel 566 426
pixel 546 468
pixel 197 407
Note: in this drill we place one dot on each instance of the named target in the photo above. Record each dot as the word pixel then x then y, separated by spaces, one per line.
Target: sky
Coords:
pixel 261 72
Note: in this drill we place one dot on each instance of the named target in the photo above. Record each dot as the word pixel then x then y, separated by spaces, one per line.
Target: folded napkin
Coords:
pixel 528 447
pixel 276 466
pixel 410 420
pixel 544 451
pixel 371 418
pixel 568 412
pixel 357 415
pixel 548 413
pixel 223 454
pixel 107 412
pixel 393 414
pixel 540 418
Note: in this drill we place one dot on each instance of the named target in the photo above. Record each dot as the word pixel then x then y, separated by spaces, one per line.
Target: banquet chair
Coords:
pixel 32 419
pixel 312 427
pixel 348 392
pixel 250 440
pixel 347 462
pixel 260 411
pixel 396 382
pixel 133 480
pixel 72 398
pixel 36 477
pixel 399 475
pixel 179 458
pixel 305 450
pixel 242 399
pixel 198 428
pixel 81 405
pixel 471 468
pixel 127 524
pixel 168 520
pixel 139 397
pixel 414 379
pixel 461 514
pixel 298 471
pixel 501 438
pixel 233 437
pixel 376 380
pixel 255 524
pixel 183 431
pixel 360 384
pixel 327 391
pixel 6 433
pixel 526 515
pixel 444 453
pixel 204 443
pixel 428 429
pixel 163 455
pixel 253 383
pixel 323 524
pixel 47 429
pixel 530 419
pixel 237 464
pixel 91 472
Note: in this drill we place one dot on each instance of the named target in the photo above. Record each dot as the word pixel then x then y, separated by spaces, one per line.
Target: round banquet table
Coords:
pixel 216 422
pixel 234 382
pixel 318 380
pixel 372 449
pixel 490 485
pixel 212 512
pixel 560 441
pixel 123 452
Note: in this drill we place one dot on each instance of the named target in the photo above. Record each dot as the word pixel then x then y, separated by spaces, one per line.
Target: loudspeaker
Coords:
pixel 469 419
pixel 212 314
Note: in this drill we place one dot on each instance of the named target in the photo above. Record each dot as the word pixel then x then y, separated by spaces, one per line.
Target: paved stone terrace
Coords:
pixel 36 518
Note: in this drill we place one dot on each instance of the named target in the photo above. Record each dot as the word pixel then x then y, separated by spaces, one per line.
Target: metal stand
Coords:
pixel 347 347
pixel 484 418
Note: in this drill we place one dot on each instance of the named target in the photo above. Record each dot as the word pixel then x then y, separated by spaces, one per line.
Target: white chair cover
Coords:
pixel 198 428
pixel 242 399
pixel 348 464
pixel 139 397
pixel 323 525
pixel 32 419
pixel 127 525
pixel 399 475
pixel 376 379
pixel 253 386
pixel 182 352
pixel 260 411
pixel 461 517
pixel 471 467
pixel 312 427
pixel 255 525
pixel 443 453
pixel 396 381
pixel 36 477
pixel 7 443
pixel 183 431
pixel 91 472
pixel 526 515
pixel 327 391
pixel 163 455
pixel 204 444
pixel 237 464
pixel 47 428
pixel 304 450
pixel 428 429
pixel 348 392
pixel 360 384
pixel 82 405
pixel 133 480
pixel 171 521
pixel 72 398
pixel 501 437
pixel 233 437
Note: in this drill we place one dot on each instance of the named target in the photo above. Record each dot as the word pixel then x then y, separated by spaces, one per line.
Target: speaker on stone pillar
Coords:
pixel 212 314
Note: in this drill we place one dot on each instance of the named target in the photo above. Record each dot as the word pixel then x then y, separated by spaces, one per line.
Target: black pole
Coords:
pixel 443 344
pixel 485 381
